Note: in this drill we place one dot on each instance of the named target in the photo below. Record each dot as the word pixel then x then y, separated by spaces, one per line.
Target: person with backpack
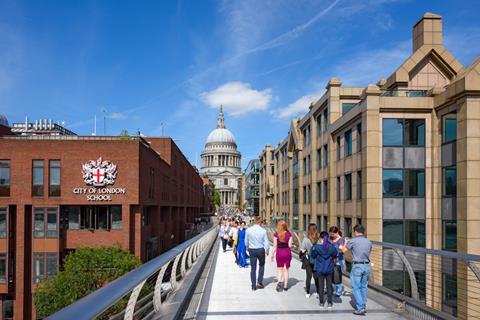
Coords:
pixel 324 254
pixel 307 262
pixel 337 240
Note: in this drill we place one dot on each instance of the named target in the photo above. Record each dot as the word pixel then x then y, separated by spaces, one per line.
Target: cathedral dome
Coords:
pixel 3 120
pixel 221 135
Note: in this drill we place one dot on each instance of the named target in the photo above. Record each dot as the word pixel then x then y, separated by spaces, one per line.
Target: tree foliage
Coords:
pixel 85 270
pixel 216 198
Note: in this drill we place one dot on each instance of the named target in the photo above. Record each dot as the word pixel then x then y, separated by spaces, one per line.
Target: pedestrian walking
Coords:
pixel 337 240
pixel 232 235
pixel 361 248
pixel 324 254
pixel 282 251
pixel 257 244
pixel 307 261
pixel 242 256
pixel 223 234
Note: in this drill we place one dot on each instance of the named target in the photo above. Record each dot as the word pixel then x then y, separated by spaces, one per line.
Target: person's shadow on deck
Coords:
pixel 272 280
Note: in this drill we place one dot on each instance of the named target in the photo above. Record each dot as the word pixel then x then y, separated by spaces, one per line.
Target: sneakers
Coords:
pixel 329 306
pixel 308 295
pixel 361 312
pixel 322 305
pixel 260 286
pixel 254 288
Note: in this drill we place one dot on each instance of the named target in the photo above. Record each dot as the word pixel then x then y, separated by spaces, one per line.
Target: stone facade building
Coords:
pixel 221 163
pixel 400 156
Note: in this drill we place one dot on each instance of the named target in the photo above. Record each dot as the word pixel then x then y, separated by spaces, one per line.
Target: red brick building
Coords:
pixel 58 193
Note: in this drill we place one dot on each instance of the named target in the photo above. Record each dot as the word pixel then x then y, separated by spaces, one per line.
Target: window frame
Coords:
pixel 347 144
pixel 51 191
pixel 39 187
pixel 6 164
pixel 47 234
pixel 347 187
pixel 4 233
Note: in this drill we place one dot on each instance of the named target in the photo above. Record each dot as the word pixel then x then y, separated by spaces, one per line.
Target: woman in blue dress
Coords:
pixel 241 249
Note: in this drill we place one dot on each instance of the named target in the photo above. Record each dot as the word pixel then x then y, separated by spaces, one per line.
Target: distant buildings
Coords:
pixel 221 163
pixel 400 157
pixel 252 187
pixel 60 191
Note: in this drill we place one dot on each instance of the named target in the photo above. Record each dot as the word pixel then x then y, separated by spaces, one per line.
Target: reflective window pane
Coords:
pixel 39 223
pixel 415 132
pixel 348 143
pixel 393 231
pixel 450 181
pixel 392 132
pixel 3 222
pixel 52 264
pixel 51 223
pixel 38 267
pixel 449 235
pixel 392 183
pixel 348 187
pixel 449 128
pixel 415 233
pixel 415 183
pixel 347 107
pixel 3 268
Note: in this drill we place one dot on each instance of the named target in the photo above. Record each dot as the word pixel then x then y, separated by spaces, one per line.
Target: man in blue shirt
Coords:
pixel 257 244
pixel 360 247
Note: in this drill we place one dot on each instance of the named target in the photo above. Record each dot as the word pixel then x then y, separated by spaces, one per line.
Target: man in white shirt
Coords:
pixel 257 244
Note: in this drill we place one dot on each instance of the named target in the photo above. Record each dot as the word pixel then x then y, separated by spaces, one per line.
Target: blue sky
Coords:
pixel 174 62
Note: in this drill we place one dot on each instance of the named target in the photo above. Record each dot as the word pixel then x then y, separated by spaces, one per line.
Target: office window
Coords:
pixel 3 268
pixel 309 164
pixel 392 183
pixel 45 223
pixel 415 183
pixel 449 297
pixel 309 194
pixel 347 107
pixel 415 233
pixel 295 196
pixel 325 120
pixel 348 187
pixel 392 132
pixel 4 178
pixel 359 137
pixel 415 132
pixel 338 188
pixel 37 178
pixel 339 154
pixel 319 158
pixel 325 190
pixel 325 155
pixel 347 227
pixel 449 128
pixel 319 191
pixel 359 185
pixel 347 143
pixel 54 185
pixel 319 125
pixel 304 166
pixel 393 231
pixel 44 265
pixel 325 223
pixel 450 181
pixel 304 194
pixel 3 222
pixel 449 242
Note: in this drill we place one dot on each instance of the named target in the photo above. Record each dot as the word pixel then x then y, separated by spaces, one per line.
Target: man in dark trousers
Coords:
pixel 360 247
pixel 257 244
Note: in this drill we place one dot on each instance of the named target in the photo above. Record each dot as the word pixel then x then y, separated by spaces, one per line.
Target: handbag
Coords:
pixel 337 274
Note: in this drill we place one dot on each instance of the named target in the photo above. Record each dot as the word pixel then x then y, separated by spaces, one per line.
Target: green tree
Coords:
pixel 124 134
pixel 85 270
pixel 216 198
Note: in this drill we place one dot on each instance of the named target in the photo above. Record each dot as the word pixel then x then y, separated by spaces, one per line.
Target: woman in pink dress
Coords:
pixel 282 251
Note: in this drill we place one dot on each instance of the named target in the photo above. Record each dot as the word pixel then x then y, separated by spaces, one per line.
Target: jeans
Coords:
pixel 257 254
pixel 308 280
pixel 359 279
pixel 325 280
pixel 224 243
pixel 339 287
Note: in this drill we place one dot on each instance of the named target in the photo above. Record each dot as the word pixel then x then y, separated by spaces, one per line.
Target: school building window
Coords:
pixel 45 223
pixel 54 181
pixel 37 178
pixel 4 178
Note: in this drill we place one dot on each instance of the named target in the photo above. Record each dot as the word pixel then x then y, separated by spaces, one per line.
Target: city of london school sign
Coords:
pixel 98 175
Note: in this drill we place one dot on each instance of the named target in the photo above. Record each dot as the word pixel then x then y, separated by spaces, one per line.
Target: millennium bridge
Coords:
pixel 197 280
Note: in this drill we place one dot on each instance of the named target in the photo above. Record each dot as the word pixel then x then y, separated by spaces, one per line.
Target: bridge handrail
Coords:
pixel 97 302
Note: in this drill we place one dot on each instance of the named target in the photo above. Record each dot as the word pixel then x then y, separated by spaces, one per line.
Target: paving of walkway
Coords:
pixel 228 296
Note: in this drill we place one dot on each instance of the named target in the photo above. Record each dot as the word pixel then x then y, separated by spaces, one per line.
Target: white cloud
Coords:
pixel 117 116
pixel 298 107
pixel 238 98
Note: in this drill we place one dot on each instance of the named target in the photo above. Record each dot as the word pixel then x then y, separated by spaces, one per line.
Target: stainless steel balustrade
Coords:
pixel 147 287
pixel 435 284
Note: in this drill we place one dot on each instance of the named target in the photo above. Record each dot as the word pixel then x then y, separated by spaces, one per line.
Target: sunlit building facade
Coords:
pixel 390 156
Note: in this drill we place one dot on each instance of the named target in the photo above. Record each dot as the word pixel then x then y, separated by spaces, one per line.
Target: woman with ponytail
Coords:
pixel 307 262
pixel 324 254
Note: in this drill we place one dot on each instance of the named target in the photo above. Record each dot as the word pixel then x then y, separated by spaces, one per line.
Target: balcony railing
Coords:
pixel 147 290
pixel 404 93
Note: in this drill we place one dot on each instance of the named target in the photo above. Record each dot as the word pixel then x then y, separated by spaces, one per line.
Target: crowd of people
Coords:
pixel 321 254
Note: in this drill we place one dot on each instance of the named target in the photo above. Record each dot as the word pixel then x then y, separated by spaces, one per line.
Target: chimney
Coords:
pixel 427 31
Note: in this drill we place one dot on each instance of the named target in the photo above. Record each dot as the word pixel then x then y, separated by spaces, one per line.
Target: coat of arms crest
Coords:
pixel 99 173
